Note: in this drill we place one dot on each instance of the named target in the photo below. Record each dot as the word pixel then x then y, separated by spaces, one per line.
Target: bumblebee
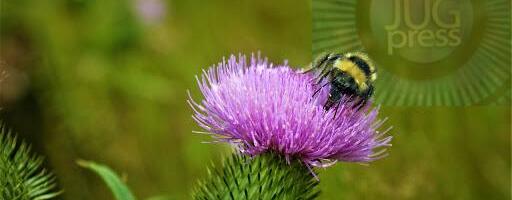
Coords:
pixel 350 74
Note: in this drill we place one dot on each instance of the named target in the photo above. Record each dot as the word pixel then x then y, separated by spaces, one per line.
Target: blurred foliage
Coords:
pixel 21 174
pixel 116 185
pixel 107 81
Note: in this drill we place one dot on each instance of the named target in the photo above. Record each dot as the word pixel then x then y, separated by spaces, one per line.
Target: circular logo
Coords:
pixel 422 33
pixel 431 37
pixel 428 52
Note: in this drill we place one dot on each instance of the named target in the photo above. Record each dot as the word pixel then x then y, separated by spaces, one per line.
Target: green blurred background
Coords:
pixel 107 81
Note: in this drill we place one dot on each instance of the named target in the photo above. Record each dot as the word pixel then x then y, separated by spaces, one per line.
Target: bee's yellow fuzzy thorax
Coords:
pixel 354 71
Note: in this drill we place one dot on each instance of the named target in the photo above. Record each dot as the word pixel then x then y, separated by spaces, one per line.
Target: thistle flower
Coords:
pixel 259 107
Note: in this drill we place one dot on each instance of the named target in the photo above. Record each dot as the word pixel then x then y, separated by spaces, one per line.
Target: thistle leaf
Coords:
pixel 21 174
pixel 118 188
pixel 266 176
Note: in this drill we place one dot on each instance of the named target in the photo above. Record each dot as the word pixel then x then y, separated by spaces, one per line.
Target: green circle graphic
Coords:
pixel 428 52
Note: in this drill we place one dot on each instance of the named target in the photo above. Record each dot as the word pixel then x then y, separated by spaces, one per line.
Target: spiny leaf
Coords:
pixel 118 188
pixel 21 174
pixel 267 176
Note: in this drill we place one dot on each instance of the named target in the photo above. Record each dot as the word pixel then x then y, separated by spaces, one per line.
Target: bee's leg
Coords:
pixel 323 66
pixel 308 69
pixel 360 104
pixel 323 74
pixel 321 77
pixel 318 62
pixel 326 68
pixel 318 90
pixel 336 109
pixel 364 99
pixel 328 104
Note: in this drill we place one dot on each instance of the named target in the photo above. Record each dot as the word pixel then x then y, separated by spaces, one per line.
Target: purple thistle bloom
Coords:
pixel 259 107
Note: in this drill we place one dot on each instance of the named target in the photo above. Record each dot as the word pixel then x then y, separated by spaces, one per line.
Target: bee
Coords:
pixel 349 74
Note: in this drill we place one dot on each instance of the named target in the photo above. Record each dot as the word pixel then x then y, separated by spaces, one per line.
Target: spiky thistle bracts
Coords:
pixel 259 107
pixel 22 176
pixel 267 176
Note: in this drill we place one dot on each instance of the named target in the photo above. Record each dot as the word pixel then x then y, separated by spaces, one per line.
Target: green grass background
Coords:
pixel 101 84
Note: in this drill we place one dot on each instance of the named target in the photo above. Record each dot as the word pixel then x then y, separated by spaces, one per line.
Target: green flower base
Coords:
pixel 267 176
